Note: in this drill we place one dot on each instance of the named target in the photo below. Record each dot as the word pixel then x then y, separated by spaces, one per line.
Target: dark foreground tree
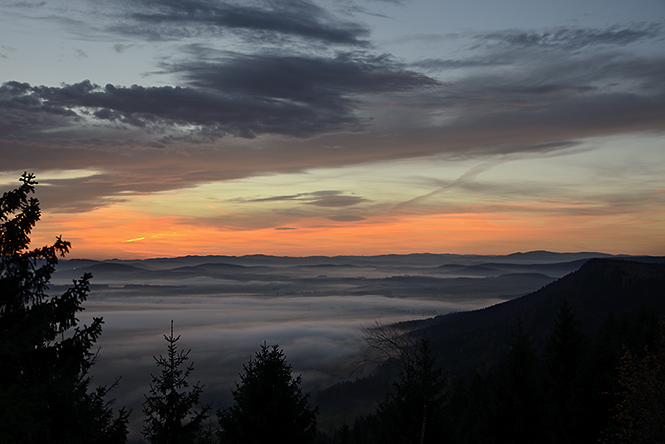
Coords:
pixel 173 413
pixel 639 416
pixel 411 413
pixel 518 411
pixel 567 383
pixel 45 355
pixel 269 406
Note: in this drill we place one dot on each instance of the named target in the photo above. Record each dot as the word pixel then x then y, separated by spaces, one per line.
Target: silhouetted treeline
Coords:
pixel 45 355
pixel 608 387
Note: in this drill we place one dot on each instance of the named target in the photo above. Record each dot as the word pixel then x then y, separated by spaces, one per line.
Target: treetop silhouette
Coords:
pixel 45 356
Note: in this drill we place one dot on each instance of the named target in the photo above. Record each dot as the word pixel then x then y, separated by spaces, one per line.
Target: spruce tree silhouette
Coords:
pixel 411 412
pixel 171 409
pixel 45 355
pixel 567 381
pixel 517 392
pixel 269 405
pixel 639 415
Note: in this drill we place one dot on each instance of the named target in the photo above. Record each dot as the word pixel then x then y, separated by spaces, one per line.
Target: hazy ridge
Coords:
pixel 472 342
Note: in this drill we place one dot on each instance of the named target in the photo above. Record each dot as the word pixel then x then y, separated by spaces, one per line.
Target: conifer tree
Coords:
pixel 171 410
pixel 269 406
pixel 567 382
pixel 639 415
pixel 517 391
pixel 411 413
pixel 45 355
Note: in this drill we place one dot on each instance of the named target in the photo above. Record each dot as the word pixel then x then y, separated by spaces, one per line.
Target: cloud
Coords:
pixel 302 78
pixel 264 21
pixel 513 92
pixel 25 4
pixel 23 111
pixel 573 39
pixel 556 47
pixel 305 95
pixel 121 48
pixel 581 82
pixel 243 96
pixel 337 201
pixel 327 198
pixel 334 199
pixel 346 218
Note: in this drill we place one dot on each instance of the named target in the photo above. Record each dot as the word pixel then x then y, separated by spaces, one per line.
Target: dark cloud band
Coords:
pixel 243 96
pixel 265 21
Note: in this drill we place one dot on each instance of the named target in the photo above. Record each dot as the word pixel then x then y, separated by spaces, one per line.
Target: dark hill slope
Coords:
pixel 473 341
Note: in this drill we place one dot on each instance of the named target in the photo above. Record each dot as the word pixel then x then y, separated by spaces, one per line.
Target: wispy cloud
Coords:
pixel 326 198
pixel 573 39
pixel 263 21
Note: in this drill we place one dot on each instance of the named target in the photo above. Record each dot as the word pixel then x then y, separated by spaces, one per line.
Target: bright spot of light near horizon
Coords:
pixel 136 239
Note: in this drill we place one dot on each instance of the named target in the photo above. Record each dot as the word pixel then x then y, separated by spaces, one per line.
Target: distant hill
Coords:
pixel 207 267
pixel 108 267
pixel 473 341
pixel 549 256
pixel 504 286
pixel 423 259
pixel 73 264
pixel 74 269
pixel 499 268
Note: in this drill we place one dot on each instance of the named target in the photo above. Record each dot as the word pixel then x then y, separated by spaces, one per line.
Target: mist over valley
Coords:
pixel 315 308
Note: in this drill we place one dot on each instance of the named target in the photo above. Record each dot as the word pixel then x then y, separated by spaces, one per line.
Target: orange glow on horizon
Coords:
pixel 117 233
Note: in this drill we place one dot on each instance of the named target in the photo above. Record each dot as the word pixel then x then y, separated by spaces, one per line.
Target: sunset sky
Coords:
pixel 299 127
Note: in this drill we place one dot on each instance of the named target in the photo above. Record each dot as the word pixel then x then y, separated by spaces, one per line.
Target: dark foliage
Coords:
pixel 474 342
pixel 568 383
pixel 171 409
pixel 269 405
pixel 596 377
pixel 410 413
pixel 45 355
pixel 638 413
pixel 528 399
pixel 517 398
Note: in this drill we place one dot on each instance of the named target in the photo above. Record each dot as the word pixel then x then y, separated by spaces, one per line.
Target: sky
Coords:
pixel 162 128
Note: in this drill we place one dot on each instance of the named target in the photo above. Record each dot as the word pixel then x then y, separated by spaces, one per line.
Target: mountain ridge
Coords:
pixel 472 342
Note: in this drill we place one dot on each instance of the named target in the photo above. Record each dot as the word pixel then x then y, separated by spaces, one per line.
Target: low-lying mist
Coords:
pixel 321 336
pixel 224 312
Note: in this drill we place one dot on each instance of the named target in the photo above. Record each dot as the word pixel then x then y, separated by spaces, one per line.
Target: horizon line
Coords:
pixel 371 255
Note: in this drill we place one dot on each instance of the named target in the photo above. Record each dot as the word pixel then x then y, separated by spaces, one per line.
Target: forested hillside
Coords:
pixel 557 365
